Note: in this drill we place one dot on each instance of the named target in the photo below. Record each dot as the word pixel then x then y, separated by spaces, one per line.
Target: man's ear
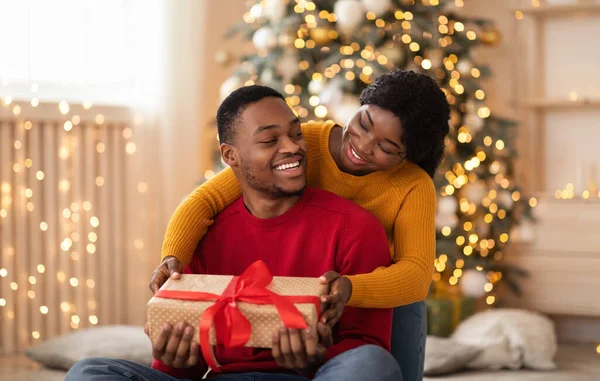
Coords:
pixel 229 155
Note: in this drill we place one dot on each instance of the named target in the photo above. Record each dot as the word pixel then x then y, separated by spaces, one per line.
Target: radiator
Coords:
pixel 70 231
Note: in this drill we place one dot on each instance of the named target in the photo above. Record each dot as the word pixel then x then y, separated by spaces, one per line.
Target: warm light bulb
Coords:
pixel 93 319
pixel 64 108
pixel 3 273
pixel 321 111
pixel 130 148
pixel 44 310
pixel 74 282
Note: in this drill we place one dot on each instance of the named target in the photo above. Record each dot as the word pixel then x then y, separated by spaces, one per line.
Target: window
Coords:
pixel 103 51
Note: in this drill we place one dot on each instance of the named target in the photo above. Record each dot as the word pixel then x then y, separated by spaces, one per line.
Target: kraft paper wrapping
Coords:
pixel 263 318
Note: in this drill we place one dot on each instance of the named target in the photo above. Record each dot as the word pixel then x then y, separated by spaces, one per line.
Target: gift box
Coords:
pixel 236 311
pixel 444 313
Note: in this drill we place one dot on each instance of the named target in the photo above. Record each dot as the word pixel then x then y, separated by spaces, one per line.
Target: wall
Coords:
pixel 221 16
pixel 556 147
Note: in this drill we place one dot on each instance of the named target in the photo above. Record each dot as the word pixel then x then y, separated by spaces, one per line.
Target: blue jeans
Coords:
pixel 409 331
pixel 367 362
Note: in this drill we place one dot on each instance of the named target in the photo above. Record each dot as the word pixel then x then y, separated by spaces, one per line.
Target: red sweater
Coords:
pixel 321 232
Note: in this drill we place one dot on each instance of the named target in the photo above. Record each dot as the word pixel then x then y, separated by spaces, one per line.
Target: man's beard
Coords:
pixel 272 191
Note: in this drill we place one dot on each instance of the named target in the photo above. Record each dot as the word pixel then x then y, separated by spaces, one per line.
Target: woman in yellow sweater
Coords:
pixel 384 160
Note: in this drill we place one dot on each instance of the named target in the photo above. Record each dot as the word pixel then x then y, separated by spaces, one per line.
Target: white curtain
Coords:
pixel 82 79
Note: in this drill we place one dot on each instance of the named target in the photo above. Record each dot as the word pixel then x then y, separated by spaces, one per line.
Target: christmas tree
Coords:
pixel 321 54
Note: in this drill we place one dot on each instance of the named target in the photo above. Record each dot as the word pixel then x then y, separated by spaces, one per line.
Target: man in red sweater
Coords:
pixel 297 231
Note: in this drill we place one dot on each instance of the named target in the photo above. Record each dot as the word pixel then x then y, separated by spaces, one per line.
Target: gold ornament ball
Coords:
pixel 223 57
pixel 491 36
pixel 320 35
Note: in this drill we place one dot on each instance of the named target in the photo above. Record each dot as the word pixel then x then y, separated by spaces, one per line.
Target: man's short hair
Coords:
pixel 235 104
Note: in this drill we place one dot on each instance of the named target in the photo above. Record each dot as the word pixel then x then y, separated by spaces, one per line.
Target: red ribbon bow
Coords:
pixel 232 328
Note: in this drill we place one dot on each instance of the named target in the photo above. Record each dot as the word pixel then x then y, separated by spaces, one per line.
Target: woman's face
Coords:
pixel 372 141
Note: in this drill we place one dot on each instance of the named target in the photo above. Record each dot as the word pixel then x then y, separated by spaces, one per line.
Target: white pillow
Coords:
pixel 116 341
pixel 509 338
pixel 444 356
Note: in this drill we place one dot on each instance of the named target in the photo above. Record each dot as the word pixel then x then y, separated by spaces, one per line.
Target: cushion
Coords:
pixel 115 341
pixel 509 338
pixel 443 356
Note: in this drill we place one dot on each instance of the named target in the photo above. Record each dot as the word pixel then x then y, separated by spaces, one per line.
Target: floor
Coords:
pixel 576 363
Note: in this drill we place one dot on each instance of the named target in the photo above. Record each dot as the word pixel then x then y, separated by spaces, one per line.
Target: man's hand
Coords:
pixel 174 346
pixel 170 267
pixel 301 350
pixel 340 290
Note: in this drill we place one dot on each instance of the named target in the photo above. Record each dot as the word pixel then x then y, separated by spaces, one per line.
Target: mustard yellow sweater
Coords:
pixel 403 199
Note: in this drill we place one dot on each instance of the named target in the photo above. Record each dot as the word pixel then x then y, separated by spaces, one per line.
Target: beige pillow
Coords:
pixel 113 341
pixel 444 356
pixel 509 338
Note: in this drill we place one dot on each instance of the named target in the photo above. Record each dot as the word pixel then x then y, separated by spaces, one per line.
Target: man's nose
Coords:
pixel 288 146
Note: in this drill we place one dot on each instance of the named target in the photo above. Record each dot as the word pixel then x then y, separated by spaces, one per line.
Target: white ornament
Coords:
pixel 350 13
pixel 267 76
pixel 256 11
pixel 331 95
pixel 348 106
pixel 449 220
pixel 475 192
pixel 275 10
pixel 379 7
pixel 474 122
pixel 447 205
pixel 229 86
pixel 288 67
pixel 504 198
pixel 464 66
pixel 264 38
pixel 315 87
pixel 472 283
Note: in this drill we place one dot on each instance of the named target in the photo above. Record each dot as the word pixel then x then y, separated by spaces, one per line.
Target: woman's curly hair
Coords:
pixel 422 108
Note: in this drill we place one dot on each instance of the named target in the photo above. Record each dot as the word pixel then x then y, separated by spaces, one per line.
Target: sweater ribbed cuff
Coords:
pixel 357 299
